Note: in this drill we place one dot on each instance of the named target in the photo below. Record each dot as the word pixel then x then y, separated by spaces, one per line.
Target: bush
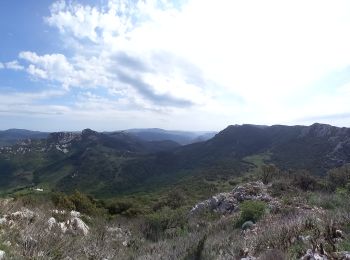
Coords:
pixel 339 177
pixel 174 199
pixel 268 173
pixel 304 180
pixel 280 188
pixel 77 201
pixel 158 222
pixel 62 201
pixel 83 203
pixel 251 210
pixel 328 201
pixel 118 207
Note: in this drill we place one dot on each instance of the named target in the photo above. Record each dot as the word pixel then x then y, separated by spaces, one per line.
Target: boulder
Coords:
pixel 310 255
pixel 3 221
pixel 79 226
pixel 51 222
pixel 227 203
pixel 251 191
pixel 25 214
pixel 248 225
pixel 75 214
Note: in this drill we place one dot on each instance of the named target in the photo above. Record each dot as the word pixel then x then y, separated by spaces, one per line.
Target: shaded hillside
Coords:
pixel 12 136
pixel 317 148
pixel 181 137
pixel 66 161
pixel 119 162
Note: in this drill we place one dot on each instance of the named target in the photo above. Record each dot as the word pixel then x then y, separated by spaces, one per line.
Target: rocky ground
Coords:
pixel 293 230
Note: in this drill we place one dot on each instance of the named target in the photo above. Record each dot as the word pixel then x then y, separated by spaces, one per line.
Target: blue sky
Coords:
pixel 189 64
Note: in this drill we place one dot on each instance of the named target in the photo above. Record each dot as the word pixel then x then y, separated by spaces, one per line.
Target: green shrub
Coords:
pixel 305 181
pixel 268 173
pixel 158 222
pixel 77 201
pixel 251 210
pixel 83 203
pixel 280 188
pixel 339 177
pixel 62 201
pixel 328 201
pixel 118 207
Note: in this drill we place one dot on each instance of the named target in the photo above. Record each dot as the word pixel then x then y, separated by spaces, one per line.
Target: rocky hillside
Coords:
pixel 12 136
pixel 252 221
pixel 316 148
pixel 106 164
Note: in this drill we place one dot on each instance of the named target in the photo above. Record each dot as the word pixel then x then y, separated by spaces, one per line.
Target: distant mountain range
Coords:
pixel 12 136
pixel 109 163
pixel 181 137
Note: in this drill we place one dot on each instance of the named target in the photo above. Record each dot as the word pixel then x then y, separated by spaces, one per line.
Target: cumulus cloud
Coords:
pixel 13 65
pixel 234 61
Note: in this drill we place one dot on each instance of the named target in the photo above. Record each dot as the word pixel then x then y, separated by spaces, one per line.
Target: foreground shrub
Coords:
pixel 251 210
pixel 304 180
pixel 166 222
pixel 77 201
pixel 339 177
pixel 62 201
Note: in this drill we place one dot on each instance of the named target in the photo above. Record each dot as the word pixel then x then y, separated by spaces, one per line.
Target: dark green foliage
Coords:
pixel 157 223
pixel 304 180
pixel 174 199
pixel 339 177
pixel 247 225
pixel 62 201
pixel 197 251
pixel 76 201
pixel 268 173
pixel 83 203
pixel 251 211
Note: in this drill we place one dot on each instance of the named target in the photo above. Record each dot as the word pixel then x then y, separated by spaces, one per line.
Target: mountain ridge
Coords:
pixel 117 162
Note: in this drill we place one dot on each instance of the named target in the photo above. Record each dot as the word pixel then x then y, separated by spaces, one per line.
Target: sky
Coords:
pixel 184 64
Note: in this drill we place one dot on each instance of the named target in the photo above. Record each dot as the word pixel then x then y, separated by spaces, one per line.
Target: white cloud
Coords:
pixel 13 65
pixel 228 60
pixel 1 66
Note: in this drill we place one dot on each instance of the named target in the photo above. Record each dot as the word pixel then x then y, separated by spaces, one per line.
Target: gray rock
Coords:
pixel 248 225
pixel 2 255
pixel 227 203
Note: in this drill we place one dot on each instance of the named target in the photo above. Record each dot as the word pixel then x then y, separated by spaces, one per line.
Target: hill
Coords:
pixel 105 164
pixel 181 137
pixel 12 136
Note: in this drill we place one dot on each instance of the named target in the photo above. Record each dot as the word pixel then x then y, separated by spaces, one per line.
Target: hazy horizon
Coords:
pixel 166 129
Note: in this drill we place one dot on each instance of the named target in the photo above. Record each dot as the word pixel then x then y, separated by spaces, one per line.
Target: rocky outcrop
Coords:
pixel 74 224
pixel 2 255
pixel 227 203
pixel 77 226
pixel 310 255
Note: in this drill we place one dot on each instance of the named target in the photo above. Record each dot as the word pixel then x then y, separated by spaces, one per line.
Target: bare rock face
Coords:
pixel 2 255
pixel 310 255
pixel 227 203
pixel 24 214
pixel 51 223
pixel 251 191
pixel 74 224
pixel 79 226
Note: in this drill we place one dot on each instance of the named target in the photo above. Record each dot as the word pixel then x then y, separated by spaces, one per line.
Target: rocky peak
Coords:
pixel 89 134
pixel 63 137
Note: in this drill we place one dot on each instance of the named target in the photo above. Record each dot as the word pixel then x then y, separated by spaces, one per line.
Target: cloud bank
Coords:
pixel 198 63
